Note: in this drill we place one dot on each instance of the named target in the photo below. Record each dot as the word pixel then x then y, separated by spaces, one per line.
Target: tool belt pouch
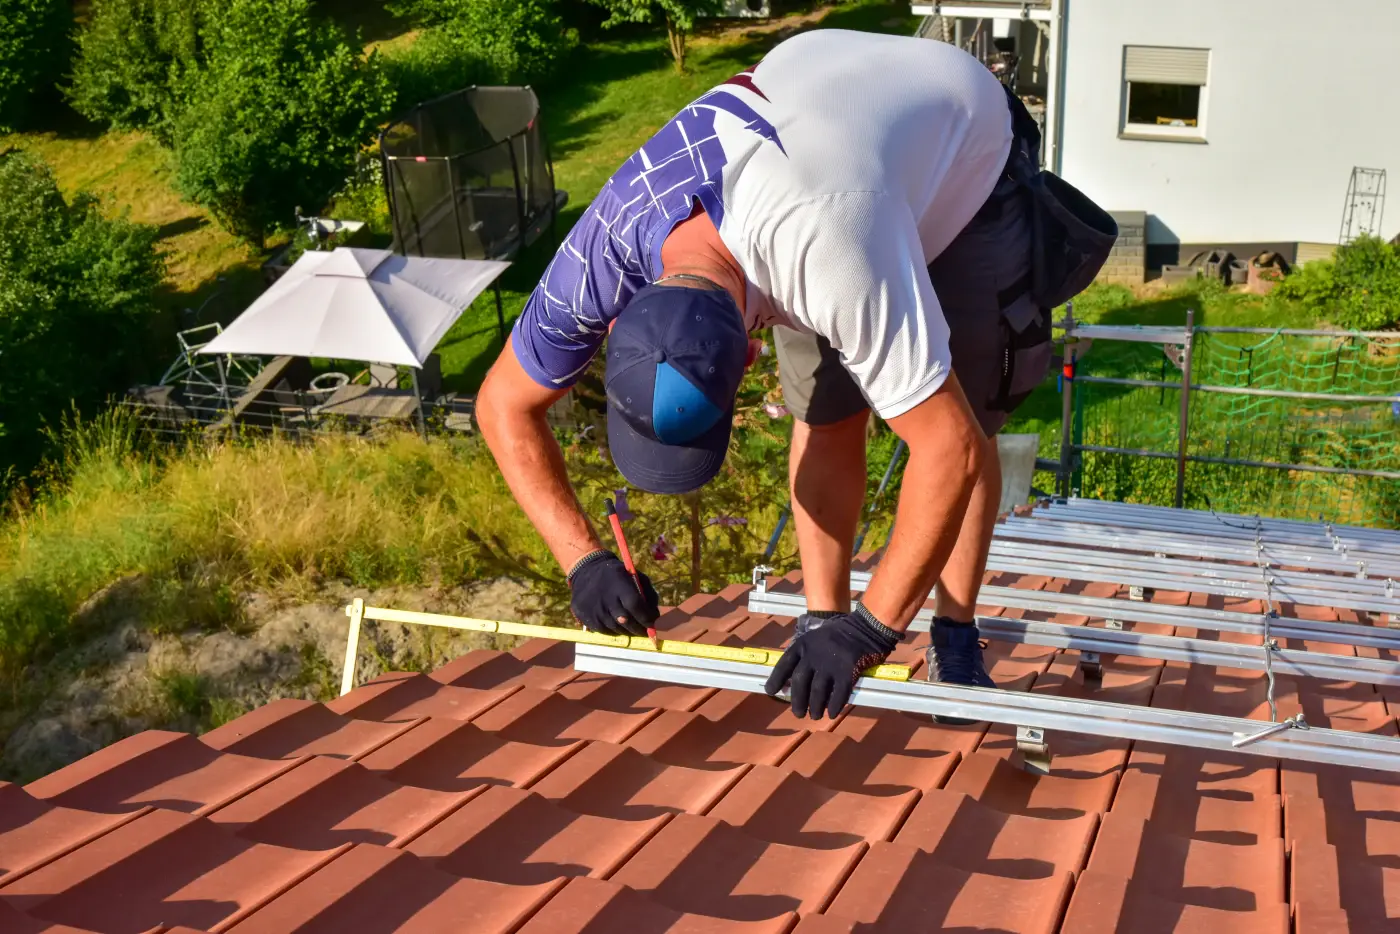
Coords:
pixel 1072 239
pixel 1027 352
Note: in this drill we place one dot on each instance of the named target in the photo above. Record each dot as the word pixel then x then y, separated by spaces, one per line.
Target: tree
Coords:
pixel 511 41
pixel 274 117
pixel 77 305
pixel 133 56
pixel 679 16
pixel 34 49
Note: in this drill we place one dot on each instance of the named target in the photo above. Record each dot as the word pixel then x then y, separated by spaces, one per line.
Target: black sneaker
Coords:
pixel 956 658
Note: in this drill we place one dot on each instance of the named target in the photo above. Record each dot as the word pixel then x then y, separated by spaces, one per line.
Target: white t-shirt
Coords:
pixel 835 170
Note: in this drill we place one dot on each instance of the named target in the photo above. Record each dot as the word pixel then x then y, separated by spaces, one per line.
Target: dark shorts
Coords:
pixel 999 335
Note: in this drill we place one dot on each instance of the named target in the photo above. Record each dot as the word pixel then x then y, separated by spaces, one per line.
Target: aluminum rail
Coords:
pixel 1133 334
pixel 1299 664
pixel 1183 544
pixel 778 603
pixel 1314 530
pixel 1038 711
pixel 1252 590
pixel 1322 585
pixel 1247 589
pixel 1240 390
pixel 1220 531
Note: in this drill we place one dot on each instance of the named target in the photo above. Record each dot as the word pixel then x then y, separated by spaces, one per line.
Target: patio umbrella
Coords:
pixel 357 304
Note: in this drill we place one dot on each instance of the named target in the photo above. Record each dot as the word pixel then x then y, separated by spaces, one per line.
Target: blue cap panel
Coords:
pixel 680 412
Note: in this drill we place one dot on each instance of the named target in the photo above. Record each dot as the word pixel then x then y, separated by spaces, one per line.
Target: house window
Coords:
pixel 1164 93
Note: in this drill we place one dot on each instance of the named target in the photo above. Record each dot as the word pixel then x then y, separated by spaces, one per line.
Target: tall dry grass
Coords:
pixel 192 531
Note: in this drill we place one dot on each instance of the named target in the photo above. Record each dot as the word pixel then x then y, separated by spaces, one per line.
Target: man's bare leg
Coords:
pixel 826 470
pixel 962 575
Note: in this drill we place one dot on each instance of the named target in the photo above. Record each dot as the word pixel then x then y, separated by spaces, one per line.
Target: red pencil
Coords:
pixel 627 558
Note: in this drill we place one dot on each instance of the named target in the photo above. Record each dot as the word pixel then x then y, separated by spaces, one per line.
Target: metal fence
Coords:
pixel 1283 422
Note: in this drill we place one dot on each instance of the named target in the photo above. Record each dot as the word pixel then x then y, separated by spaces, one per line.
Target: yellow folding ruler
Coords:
pixel 358 613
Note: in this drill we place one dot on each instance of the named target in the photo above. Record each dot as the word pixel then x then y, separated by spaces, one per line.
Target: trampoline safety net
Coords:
pixel 469 175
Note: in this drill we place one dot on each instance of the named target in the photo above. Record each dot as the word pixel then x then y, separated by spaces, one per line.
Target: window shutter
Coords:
pixel 1165 66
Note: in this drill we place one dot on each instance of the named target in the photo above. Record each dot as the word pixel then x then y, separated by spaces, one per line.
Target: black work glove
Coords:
pixel 827 656
pixel 606 598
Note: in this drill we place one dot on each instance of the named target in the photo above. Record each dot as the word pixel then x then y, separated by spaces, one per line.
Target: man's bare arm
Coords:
pixel 946 448
pixel 511 412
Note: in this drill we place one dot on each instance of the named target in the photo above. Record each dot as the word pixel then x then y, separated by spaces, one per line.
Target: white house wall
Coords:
pixel 1298 94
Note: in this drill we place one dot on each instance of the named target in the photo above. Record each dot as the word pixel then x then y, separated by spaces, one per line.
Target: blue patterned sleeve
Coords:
pixel 591 277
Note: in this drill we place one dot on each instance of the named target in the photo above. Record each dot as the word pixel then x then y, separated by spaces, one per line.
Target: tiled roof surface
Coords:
pixel 507 792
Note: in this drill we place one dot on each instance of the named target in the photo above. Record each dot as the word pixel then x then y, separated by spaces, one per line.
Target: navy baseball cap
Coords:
pixel 676 356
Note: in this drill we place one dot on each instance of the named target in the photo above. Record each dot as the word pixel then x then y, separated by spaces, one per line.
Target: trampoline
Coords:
pixel 468 175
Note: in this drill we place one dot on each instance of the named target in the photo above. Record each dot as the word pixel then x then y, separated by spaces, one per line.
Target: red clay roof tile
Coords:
pixel 174 771
pixel 405 695
pixel 533 716
pixel 780 806
pixel 514 836
pixel 1109 903
pixel 630 695
pixel 899 888
pixel 615 781
pixel 693 740
pixel 453 756
pixel 489 670
pixel 588 906
pixel 288 729
pixel 963 832
pixel 1231 877
pixel 704 866
pixel 373 890
pixel 323 803
pixel 33 832
pixel 998 784
pixel 161 868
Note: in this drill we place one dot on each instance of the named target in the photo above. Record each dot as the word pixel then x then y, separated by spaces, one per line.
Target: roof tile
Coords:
pixel 615 781
pixel 1325 881
pixel 453 756
pixel 531 715
pixel 324 802
pixel 33 831
pixel 902 888
pixel 407 695
pixel 1105 902
pixel 174 771
pixel 513 836
pixel 489 670
pixel 1231 877
pixel 288 729
pixel 588 906
pixel 632 695
pixel 780 806
pixel 161 868
pixel 693 740
pixel 998 784
pixel 705 866
pixel 963 832
pixel 375 890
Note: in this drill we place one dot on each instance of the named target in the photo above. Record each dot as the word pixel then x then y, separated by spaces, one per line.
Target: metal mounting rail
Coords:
pixel 1098 641
pixel 1137 334
pixel 1249 589
pixel 1036 711
pixel 1315 531
pixel 1341 543
pixel 1194 545
pixel 1310 583
pixel 777 603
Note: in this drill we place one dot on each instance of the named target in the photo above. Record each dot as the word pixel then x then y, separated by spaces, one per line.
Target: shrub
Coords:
pixel 276 116
pixel 34 51
pixel 678 15
pixel 507 41
pixel 76 304
pixel 132 58
pixel 1359 289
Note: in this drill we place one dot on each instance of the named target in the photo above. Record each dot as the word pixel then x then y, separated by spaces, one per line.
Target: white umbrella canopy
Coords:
pixel 358 304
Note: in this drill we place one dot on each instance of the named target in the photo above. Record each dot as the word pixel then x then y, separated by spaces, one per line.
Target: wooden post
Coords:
pixel 356 612
pixel 694 543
